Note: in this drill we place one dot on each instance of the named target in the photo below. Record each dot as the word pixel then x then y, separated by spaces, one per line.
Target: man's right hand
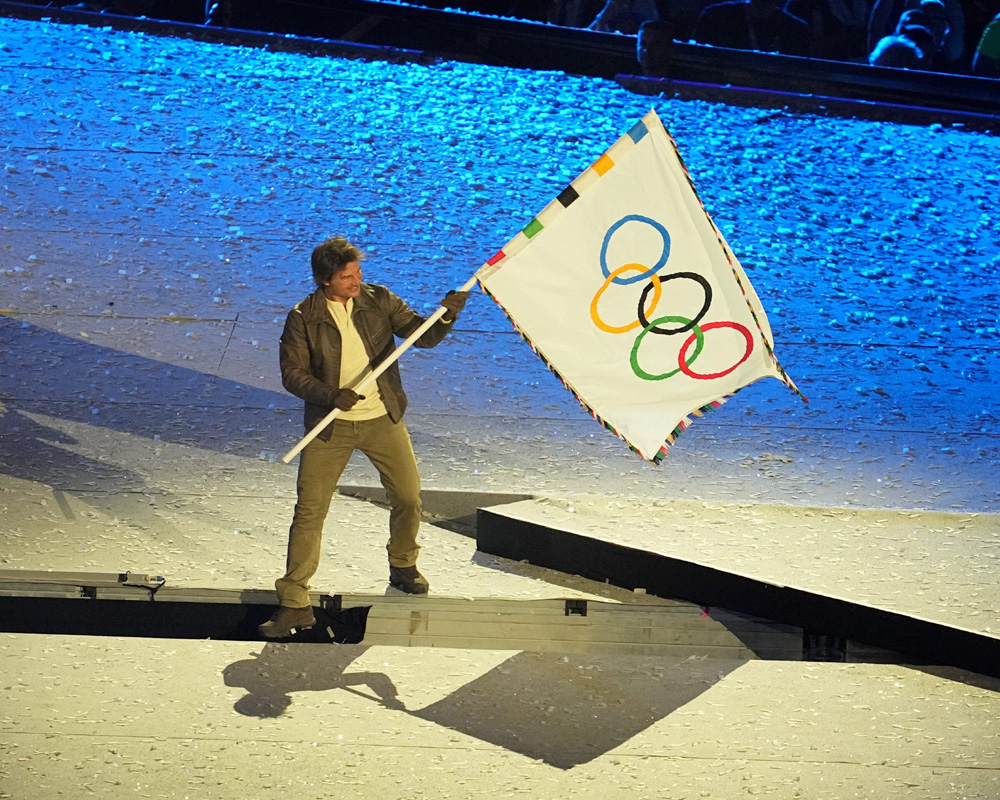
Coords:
pixel 346 399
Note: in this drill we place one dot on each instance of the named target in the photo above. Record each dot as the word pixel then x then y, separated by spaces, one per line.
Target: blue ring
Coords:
pixel 607 240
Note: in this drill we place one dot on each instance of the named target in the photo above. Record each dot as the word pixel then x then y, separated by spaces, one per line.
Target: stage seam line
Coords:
pixel 225 347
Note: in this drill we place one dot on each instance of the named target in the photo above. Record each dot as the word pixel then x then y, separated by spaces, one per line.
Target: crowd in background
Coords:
pixel 961 36
pixel 938 35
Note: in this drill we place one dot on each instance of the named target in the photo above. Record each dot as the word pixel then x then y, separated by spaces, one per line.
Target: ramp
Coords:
pixel 919 583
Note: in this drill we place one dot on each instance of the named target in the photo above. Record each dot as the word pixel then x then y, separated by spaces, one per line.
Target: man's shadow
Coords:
pixel 563 709
pixel 273 675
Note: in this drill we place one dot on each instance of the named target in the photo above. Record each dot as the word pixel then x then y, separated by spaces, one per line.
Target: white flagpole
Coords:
pixel 373 375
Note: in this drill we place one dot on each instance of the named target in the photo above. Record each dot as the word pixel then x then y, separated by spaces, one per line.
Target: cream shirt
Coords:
pixel 354 363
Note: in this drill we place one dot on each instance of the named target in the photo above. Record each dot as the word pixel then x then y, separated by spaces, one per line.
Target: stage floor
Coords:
pixel 158 202
pixel 161 719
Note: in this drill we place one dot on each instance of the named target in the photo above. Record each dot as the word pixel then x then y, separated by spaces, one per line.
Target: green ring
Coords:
pixel 634 359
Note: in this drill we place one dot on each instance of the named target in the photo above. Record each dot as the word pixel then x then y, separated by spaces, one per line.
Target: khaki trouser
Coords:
pixel 387 445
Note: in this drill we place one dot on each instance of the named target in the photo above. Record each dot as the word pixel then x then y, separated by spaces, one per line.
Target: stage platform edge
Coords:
pixel 61 604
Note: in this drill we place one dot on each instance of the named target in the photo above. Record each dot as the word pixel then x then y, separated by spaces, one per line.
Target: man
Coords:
pixel 331 342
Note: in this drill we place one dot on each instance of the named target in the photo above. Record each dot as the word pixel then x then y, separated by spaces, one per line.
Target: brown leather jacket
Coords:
pixel 310 349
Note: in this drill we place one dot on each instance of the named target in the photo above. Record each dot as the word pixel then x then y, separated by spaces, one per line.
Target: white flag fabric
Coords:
pixel 629 293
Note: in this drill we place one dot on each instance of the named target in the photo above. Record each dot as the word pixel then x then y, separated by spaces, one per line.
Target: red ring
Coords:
pixel 735 326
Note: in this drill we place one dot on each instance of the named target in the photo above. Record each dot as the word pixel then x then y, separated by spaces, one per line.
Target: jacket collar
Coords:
pixel 314 306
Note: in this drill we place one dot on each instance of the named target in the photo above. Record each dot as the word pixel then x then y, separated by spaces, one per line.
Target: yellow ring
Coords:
pixel 632 325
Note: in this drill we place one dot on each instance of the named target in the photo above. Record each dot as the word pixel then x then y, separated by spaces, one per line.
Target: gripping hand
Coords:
pixel 346 399
pixel 454 302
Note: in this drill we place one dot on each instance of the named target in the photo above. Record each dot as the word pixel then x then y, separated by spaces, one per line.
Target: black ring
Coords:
pixel 694 321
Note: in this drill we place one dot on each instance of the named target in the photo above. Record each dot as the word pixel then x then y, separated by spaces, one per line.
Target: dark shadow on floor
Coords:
pixel 48 373
pixel 563 709
pixel 278 671
pixel 49 378
pixel 568 709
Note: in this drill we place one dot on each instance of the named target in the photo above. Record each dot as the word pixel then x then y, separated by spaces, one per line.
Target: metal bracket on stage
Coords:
pixel 89 585
pixel 334 602
pixel 577 608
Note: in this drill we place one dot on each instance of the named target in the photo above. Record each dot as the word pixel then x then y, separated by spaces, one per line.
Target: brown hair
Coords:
pixel 331 257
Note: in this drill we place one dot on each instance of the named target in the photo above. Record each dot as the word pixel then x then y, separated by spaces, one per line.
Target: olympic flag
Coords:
pixel 629 293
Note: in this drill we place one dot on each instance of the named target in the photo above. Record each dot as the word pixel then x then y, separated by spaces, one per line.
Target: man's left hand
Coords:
pixel 454 302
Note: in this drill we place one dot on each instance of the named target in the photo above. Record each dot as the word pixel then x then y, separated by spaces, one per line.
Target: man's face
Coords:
pixel 344 284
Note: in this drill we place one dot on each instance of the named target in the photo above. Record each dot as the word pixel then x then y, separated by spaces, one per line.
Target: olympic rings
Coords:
pixel 684 367
pixel 634 358
pixel 654 285
pixel 653 269
pixel 684 361
pixel 698 317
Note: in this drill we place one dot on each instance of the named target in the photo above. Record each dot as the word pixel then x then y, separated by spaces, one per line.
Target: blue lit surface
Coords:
pixel 146 178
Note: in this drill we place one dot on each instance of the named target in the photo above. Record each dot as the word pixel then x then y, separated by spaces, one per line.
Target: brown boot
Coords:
pixel 408 580
pixel 285 620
